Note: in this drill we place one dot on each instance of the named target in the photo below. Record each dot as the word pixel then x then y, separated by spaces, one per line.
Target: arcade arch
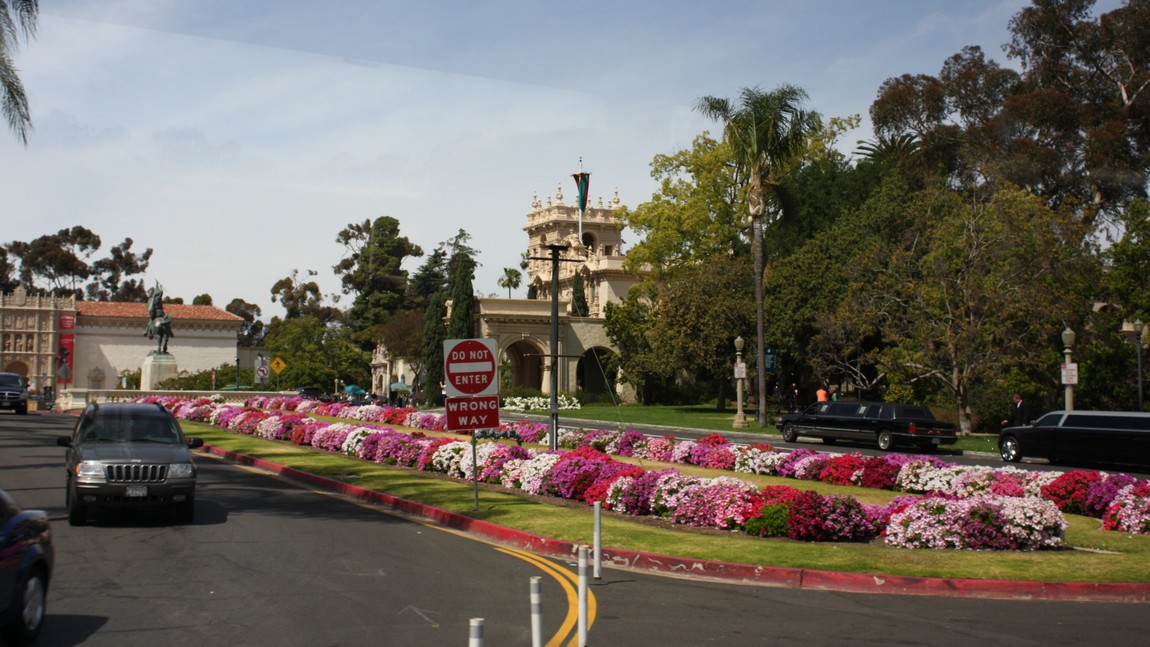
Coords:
pixel 525 361
pixel 595 373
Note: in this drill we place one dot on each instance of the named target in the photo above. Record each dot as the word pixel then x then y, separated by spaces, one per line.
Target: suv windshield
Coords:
pixel 11 379
pixel 128 429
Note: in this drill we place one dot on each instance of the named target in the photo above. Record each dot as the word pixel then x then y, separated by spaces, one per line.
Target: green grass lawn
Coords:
pixel 1094 556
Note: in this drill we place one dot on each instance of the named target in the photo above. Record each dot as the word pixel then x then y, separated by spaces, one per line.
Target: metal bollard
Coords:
pixel 475 638
pixel 582 596
pixel 536 612
pixel 598 561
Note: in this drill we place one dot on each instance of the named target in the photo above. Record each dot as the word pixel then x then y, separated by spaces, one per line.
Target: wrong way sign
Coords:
pixel 469 367
pixel 481 412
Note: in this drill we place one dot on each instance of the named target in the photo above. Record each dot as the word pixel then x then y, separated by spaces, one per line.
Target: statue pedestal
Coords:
pixel 157 368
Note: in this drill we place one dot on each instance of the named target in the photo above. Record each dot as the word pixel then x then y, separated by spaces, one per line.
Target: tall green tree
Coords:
pixel 461 324
pixel 17 17
pixel 302 297
pixel 767 132
pixel 317 353
pixel 431 277
pixel 579 307
pixel 434 334
pixel 57 263
pixel 8 278
pixel 110 275
pixel 699 313
pixel 372 271
pixel 1127 278
pixel 1071 126
pixel 626 323
pixel 252 329
pixel 694 215
pixel 979 286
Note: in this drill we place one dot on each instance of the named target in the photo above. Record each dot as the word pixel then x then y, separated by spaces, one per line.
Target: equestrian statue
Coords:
pixel 159 322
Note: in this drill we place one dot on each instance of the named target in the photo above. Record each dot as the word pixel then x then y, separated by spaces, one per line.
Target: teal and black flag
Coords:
pixel 583 182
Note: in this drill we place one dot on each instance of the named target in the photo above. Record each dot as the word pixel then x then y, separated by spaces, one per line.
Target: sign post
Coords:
pixel 471 381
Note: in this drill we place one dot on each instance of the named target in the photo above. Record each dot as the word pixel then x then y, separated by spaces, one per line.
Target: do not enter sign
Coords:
pixel 469 367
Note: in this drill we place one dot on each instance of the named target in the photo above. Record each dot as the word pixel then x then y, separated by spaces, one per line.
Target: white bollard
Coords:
pixel 582 596
pixel 598 561
pixel 536 612
pixel 475 638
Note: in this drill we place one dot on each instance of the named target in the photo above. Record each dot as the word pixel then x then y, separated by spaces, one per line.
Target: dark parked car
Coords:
pixel 13 393
pixel 129 455
pixel 886 424
pixel 1103 436
pixel 312 393
pixel 26 556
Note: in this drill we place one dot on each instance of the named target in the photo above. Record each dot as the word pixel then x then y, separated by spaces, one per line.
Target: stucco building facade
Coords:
pixel 88 345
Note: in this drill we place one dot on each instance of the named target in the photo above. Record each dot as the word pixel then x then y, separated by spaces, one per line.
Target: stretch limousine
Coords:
pixel 1105 436
pixel 884 423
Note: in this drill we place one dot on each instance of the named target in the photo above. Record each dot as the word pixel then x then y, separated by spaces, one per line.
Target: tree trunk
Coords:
pixel 760 346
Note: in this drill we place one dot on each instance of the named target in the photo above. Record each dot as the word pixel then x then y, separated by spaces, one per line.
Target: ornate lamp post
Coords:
pixel 740 375
pixel 1069 370
pixel 1133 333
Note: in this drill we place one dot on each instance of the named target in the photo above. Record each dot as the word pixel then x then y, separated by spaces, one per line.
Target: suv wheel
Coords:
pixel 789 434
pixel 186 511
pixel 77 512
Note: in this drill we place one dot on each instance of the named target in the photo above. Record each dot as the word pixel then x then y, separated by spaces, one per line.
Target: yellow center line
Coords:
pixel 564 577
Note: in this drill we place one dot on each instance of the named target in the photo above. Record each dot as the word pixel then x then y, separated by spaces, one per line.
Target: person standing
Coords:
pixel 821 394
pixel 1019 413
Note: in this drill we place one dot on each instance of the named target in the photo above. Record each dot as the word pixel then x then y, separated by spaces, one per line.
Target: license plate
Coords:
pixel 934 440
pixel 137 491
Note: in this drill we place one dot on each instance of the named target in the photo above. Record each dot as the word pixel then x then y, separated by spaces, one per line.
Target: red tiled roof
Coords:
pixel 140 311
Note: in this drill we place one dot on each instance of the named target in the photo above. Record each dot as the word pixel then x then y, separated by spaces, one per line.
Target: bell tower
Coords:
pixel 598 256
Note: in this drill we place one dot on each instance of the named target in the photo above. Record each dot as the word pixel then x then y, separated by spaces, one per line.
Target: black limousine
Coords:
pixel 887 424
pixel 1104 436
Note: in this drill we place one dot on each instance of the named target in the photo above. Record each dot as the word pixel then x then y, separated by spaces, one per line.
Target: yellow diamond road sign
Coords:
pixel 278 365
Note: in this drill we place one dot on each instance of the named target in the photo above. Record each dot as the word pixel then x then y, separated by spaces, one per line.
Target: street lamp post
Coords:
pixel 740 375
pixel 1134 332
pixel 1069 372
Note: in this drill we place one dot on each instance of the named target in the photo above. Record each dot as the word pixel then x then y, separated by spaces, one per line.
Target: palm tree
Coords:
pixel 13 101
pixel 511 279
pixel 768 132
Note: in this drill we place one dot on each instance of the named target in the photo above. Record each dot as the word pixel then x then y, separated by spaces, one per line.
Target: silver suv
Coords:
pixel 128 455
pixel 13 393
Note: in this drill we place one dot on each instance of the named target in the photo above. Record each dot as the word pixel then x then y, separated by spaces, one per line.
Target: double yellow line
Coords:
pixel 566 579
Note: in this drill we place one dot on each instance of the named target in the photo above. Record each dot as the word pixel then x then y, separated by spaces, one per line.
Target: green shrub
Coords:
pixel 770 522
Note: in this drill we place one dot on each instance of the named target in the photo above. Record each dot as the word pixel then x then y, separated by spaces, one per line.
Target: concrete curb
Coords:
pixel 759 575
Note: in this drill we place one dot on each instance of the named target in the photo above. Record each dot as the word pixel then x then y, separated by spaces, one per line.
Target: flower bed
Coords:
pixel 946 506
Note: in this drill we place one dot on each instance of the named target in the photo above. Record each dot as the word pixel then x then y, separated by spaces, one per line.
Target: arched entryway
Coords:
pixel 524 365
pixel 595 374
pixel 18 367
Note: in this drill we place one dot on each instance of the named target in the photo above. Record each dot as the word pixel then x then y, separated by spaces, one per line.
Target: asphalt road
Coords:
pixel 270 563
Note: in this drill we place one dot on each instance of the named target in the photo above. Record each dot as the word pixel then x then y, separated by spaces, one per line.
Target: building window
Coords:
pixel 96 378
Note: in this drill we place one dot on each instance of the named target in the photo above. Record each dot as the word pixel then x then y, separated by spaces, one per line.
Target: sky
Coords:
pixel 236 138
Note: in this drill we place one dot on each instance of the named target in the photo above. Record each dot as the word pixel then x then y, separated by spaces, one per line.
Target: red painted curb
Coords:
pixel 760 575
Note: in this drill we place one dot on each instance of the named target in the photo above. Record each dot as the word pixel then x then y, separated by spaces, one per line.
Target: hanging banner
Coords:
pixel 583 184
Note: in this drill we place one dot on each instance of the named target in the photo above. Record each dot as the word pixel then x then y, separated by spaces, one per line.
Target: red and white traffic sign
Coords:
pixel 472 413
pixel 469 367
